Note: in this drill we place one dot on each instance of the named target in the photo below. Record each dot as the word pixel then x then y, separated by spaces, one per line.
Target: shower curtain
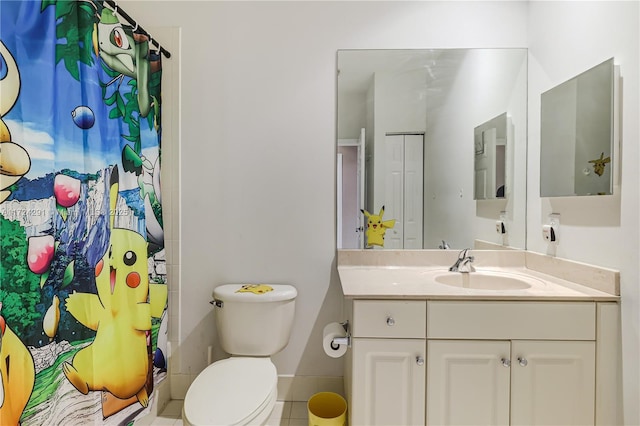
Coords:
pixel 83 290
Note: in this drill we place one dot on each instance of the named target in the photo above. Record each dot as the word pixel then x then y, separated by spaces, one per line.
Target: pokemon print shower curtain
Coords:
pixel 82 279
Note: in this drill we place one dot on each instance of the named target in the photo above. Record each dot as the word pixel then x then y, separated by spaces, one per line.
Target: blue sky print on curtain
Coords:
pixel 83 291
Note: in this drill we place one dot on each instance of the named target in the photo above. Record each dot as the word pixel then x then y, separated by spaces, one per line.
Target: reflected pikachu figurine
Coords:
pixel 376 228
pixel 117 360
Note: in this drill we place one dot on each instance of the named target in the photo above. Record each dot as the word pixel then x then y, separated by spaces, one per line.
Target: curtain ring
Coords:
pixel 135 28
pixel 115 7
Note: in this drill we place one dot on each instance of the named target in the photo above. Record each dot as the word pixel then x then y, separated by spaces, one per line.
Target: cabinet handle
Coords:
pixel 522 361
pixel 391 322
pixel 419 360
pixel 506 362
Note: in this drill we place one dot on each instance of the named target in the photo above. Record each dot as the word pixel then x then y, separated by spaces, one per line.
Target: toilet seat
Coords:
pixel 233 391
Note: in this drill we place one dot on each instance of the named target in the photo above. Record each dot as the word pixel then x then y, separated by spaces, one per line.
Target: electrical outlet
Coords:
pixel 554 220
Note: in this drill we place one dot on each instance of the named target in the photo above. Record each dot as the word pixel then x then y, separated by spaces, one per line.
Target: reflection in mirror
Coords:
pixel 576 131
pixel 405 128
pixel 490 164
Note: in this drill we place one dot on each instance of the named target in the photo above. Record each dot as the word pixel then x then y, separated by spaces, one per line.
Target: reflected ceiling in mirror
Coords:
pixel 576 135
pixel 405 130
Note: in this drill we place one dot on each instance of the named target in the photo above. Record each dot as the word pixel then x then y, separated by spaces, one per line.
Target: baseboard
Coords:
pixel 301 388
pixel 290 387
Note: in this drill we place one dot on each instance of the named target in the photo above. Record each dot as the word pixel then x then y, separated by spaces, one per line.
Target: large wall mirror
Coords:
pixel 406 129
pixel 576 135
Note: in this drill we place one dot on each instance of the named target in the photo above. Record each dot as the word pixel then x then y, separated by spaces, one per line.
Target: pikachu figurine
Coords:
pixel 376 228
pixel 117 360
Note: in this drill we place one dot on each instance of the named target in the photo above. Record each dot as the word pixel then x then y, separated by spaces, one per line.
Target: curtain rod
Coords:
pixel 139 29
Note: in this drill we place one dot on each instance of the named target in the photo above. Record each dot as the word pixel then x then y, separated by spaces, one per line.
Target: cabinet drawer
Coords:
pixel 511 320
pixel 394 319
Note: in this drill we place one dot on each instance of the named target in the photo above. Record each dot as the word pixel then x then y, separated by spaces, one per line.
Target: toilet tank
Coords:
pixel 254 324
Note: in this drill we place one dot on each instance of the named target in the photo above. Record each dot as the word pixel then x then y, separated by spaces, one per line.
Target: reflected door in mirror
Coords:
pixel 403 193
pixel 350 192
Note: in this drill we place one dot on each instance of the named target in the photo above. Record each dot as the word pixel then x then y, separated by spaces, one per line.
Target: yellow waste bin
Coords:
pixel 327 409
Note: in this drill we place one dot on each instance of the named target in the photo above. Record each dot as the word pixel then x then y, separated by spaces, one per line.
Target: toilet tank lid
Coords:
pixel 249 293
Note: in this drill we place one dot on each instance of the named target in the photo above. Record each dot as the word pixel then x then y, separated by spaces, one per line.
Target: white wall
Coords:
pixel 565 39
pixel 258 95
pixel 350 107
pixel 258 145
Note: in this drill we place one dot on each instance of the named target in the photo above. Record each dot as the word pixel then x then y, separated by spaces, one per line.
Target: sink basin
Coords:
pixel 483 280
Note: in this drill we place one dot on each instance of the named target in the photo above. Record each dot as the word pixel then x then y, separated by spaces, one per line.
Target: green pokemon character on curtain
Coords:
pixel 83 286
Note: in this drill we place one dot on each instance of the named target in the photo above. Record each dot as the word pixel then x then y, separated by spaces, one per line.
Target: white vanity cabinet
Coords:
pixel 483 362
pixel 518 382
pixel 468 383
pixel 519 363
pixel 387 363
pixel 553 382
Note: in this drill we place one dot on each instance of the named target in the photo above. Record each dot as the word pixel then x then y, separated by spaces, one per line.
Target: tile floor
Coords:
pixel 285 413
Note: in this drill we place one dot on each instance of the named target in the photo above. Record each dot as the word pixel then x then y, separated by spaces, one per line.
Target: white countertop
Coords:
pixel 419 282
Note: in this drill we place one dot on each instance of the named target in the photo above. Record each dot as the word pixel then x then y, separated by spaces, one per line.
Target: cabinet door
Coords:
pixel 388 382
pixel 468 382
pixel 553 383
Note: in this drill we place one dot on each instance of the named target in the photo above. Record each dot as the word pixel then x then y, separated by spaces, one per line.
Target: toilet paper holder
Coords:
pixel 346 340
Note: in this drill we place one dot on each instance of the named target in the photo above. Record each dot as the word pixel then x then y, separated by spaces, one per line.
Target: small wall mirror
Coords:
pixel 490 146
pixel 576 131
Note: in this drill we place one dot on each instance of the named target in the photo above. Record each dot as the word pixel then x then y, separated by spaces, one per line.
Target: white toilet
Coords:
pixel 242 390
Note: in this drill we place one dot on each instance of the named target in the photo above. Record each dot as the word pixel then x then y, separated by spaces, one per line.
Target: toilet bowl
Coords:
pixel 252 326
pixel 233 391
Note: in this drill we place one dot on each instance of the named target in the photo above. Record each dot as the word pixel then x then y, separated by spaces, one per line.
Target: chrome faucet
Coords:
pixel 444 245
pixel 463 264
